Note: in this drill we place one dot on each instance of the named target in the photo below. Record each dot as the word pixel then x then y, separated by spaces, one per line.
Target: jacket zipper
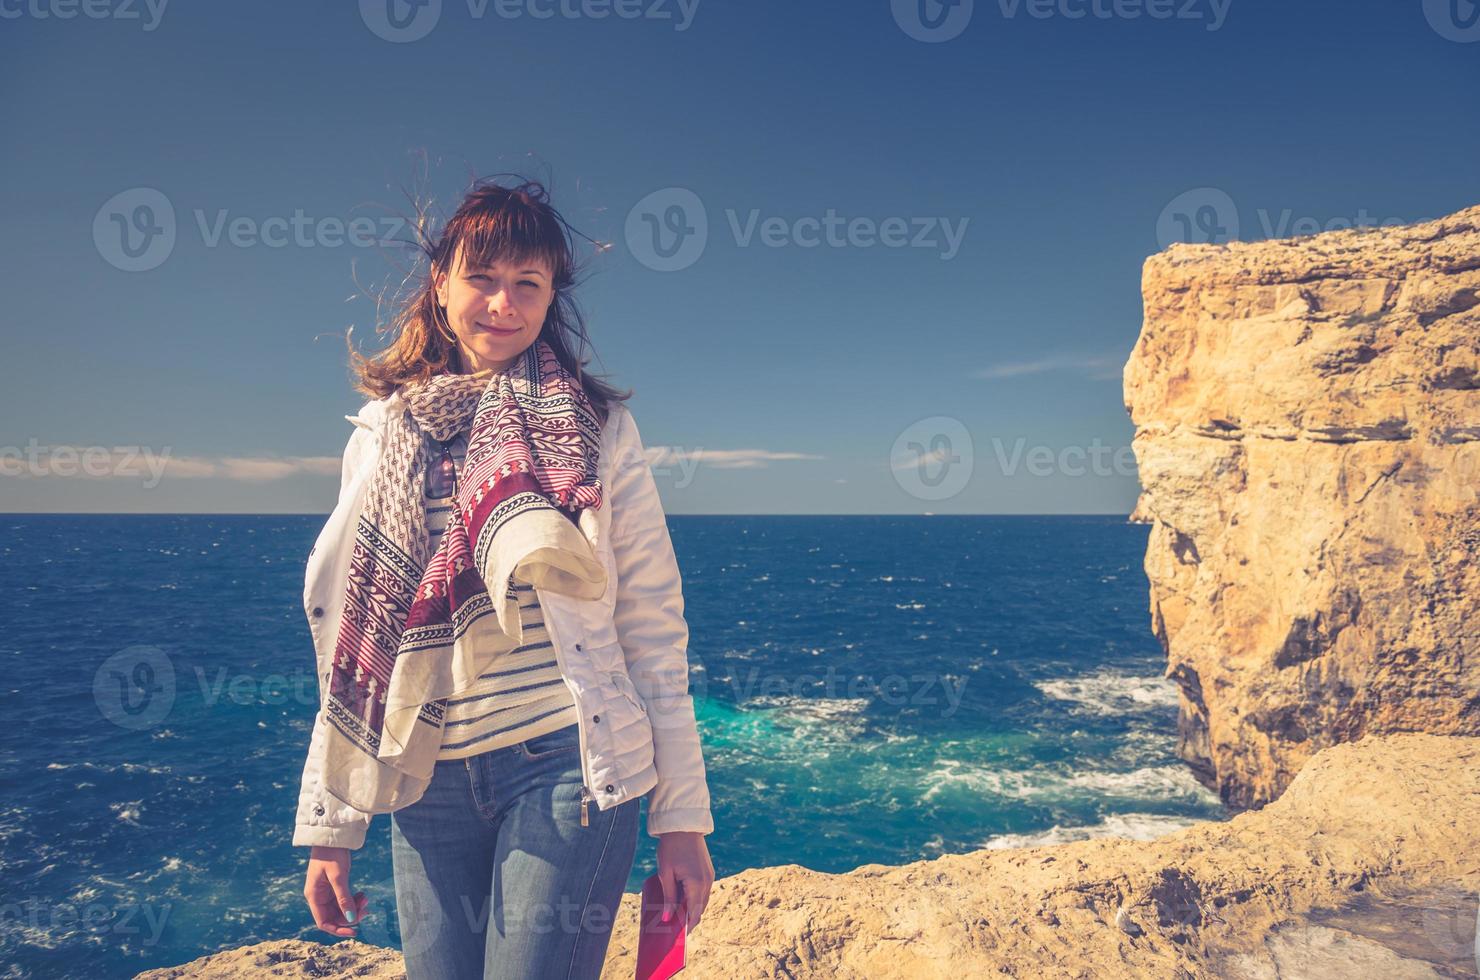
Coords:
pixel 555 643
pixel 586 796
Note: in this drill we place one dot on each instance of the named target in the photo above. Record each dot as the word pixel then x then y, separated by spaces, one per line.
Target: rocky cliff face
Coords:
pixel 1307 420
pixel 1368 866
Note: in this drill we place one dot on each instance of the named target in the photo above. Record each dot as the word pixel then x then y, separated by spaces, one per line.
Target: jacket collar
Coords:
pixel 372 414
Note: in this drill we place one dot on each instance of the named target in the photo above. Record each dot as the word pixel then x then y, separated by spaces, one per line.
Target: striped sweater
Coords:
pixel 522 694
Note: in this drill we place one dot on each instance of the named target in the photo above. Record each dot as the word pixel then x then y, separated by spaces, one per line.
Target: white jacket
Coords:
pixel 624 656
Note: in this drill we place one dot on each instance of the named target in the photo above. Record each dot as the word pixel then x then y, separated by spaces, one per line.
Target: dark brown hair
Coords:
pixel 493 222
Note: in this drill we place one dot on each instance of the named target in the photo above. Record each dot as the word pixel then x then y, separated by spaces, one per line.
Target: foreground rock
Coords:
pixel 1307 420
pixel 1368 865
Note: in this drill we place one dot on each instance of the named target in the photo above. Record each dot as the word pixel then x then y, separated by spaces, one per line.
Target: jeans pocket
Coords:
pixel 567 739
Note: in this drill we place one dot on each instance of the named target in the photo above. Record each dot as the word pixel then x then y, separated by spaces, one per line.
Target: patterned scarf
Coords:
pixel 418 628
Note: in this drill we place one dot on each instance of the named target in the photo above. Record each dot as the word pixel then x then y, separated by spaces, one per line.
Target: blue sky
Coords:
pixel 1004 175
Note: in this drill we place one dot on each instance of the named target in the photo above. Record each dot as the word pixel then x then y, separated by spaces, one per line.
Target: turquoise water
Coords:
pixel 871 689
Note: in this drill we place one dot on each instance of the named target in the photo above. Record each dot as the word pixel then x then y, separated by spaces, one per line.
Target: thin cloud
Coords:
pixel 1097 367
pixel 250 469
pixel 942 456
pixel 131 462
pixel 723 459
pixel 243 468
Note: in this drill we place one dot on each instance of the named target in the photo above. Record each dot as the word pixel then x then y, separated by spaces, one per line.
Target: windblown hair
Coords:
pixel 493 222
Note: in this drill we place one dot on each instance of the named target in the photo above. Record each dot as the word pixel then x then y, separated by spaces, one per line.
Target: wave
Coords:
pixel 1110 693
pixel 103 767
pixel 835 718
pixel 1160 784
pixel 1134 826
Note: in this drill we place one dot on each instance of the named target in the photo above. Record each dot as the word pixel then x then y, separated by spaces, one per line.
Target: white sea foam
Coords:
pixel 85 893
pixel 1135 826
pixel 1174 783
pixel 105 767
pixel 831 718
pixel 949 774
pixel 11 822
pixel 1110 693
pixel 18 933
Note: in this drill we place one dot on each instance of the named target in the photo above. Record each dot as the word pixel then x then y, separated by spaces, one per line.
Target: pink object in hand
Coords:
pixel 660 945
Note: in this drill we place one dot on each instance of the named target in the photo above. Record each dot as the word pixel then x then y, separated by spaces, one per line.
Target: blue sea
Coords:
pixel 871 689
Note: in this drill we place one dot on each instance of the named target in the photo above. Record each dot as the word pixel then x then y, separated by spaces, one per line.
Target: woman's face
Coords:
pixel 496 311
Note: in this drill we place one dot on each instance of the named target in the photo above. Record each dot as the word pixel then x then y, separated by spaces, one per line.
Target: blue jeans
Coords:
pixel 496 877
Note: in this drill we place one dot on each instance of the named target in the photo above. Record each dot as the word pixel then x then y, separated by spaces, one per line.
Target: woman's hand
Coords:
pixel 327 891
pixel 683 860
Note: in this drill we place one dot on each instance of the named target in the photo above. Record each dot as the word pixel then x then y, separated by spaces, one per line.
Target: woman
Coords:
pixel 498 618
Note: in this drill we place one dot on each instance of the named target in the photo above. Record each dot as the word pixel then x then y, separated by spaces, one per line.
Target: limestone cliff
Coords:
pixel 1368 865
pixel 1307 420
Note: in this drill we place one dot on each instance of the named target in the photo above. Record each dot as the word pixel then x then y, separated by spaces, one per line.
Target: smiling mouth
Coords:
pixel 504 331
